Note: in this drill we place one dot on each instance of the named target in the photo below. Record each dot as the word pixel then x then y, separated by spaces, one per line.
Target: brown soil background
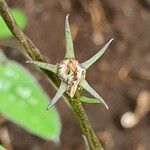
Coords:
pixel 129 25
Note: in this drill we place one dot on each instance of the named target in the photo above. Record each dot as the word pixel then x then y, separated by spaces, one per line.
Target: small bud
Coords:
pixel 71 73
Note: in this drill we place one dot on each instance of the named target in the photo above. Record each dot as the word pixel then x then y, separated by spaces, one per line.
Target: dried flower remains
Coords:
pixel 71 73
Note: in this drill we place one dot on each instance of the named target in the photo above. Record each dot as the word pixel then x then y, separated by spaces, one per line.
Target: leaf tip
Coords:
pixel 110 40
pixel 106 106
pixel 28 62
pixel 67 16
pixel 49 106
pixel 67 22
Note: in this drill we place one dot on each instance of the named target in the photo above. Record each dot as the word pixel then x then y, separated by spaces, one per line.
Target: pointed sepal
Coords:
pixel 89 100
pixel 69 42
pixel 58 95
pixel 93 59
pixel 88 88
pixel 86 143
pixel 46 66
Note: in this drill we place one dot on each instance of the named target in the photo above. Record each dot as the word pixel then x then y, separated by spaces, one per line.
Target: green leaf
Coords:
pixel 88 100
pixel 24 102
pixel 2 148
pixel 19 17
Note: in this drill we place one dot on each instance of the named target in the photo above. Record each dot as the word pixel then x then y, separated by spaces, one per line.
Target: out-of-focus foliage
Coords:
pixel 23 101
pixel 2 148
pixel 19 17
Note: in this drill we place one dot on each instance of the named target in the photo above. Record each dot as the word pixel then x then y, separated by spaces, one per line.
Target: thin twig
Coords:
pixel 35 54
pixel 5 138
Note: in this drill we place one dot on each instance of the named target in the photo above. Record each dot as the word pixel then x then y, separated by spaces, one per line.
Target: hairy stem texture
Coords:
pixel 85 125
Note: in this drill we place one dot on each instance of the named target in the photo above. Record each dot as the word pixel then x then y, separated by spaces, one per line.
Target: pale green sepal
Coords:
pixel 89 100
pixel 86 143
pixel 88 88
pixel 46 66
pixel 69 42
pixel 93 59
pixel 58 95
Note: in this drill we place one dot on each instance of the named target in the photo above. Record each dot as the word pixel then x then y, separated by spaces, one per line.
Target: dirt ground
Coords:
pixel 120 76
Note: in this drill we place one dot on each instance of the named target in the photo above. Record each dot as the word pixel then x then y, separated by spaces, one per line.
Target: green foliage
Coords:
pixel 2 148
pixel 23 101
pixel 19 17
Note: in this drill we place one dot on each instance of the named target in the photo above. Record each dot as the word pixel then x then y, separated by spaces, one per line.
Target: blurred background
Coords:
pixel 121 76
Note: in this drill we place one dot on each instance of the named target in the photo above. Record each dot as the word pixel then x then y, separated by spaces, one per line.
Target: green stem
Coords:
pixel 35 54
pixel 85 125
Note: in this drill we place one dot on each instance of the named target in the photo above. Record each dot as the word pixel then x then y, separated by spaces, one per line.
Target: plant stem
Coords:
pixel 85 125
pixel 36 55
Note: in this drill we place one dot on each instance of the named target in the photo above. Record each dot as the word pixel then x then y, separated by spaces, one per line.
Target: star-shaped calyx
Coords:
pixel 71 73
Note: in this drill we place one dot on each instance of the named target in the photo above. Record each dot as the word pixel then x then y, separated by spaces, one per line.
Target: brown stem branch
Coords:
pixel 35 54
